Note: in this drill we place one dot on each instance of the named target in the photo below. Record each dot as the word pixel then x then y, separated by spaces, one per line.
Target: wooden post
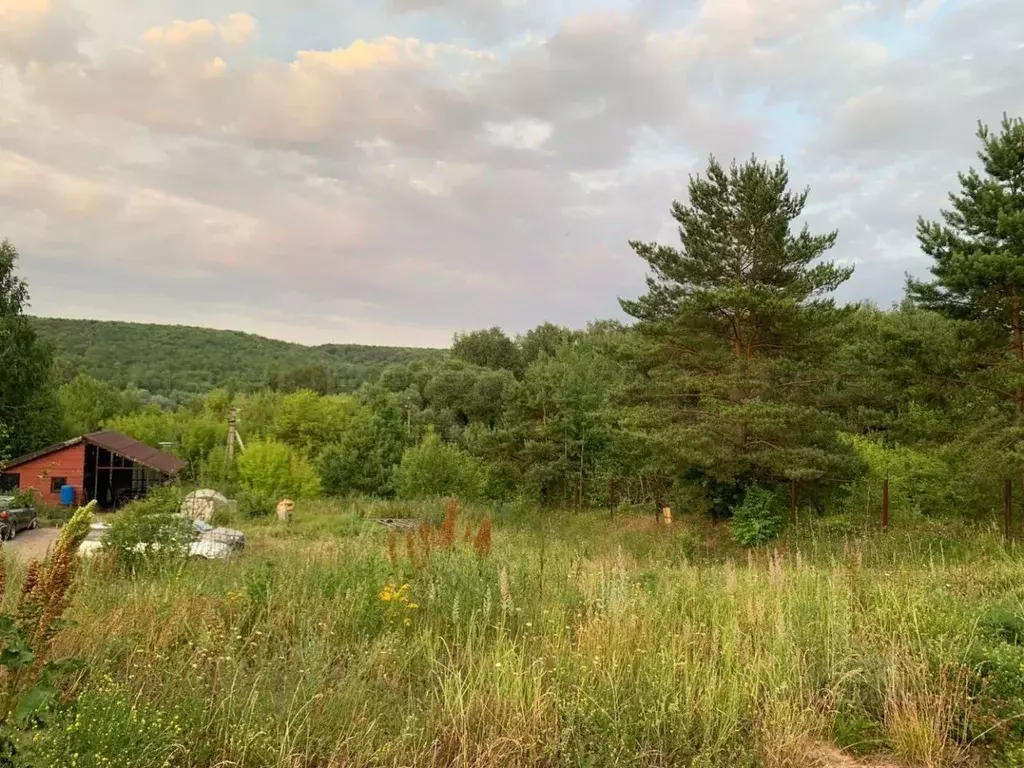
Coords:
pixel 1008 510
pixel 612 501
pixel 885 505
pixel 792 502
pixel 231 435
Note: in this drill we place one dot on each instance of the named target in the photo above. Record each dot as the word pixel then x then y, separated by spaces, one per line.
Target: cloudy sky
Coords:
pixel 391 171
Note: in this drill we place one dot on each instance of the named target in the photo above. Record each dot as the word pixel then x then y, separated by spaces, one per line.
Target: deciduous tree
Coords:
pixel 29 415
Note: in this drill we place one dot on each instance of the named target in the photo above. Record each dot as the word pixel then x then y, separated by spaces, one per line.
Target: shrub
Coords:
pixel 953 479
pixel 253 504
pixel 434 468
pixel 269 471
pixel 217 472
pixel 759 519
pixel 150 530
pixel 26 498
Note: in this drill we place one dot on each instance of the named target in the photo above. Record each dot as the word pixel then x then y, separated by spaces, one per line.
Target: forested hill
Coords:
pixel 176 361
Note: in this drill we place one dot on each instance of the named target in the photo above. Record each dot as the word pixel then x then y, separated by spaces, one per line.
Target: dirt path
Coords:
pixel 32 545
pixel 830 757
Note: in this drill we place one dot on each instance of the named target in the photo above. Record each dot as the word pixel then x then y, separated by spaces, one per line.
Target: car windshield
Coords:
pixel 202 526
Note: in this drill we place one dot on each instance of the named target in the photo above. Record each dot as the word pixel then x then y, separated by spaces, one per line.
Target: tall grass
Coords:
pixel 576 641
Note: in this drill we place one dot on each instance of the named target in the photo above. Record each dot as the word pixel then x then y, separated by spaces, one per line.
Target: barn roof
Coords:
pixel 40 453
pixel 116 442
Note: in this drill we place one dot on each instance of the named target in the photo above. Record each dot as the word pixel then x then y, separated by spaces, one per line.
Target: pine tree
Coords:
pixel 978 252
pixel 730 328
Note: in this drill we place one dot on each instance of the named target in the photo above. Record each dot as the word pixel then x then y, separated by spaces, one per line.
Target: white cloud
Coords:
pixel 239 28
pixel 236 29
pixel 409 183
pixel 923 10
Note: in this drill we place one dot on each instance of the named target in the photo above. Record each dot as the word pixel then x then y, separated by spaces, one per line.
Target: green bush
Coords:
pixel 216 471
pixel 956 479
pixel 434 468
pixel 269 471
pixel 26 498
pixel 253 504
pixel 150 530
pixel 759 519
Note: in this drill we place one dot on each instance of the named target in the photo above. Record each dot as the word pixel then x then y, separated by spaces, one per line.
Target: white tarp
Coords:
pixel 203 503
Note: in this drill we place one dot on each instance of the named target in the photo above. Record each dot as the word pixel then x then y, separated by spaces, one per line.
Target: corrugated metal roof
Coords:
pixel 138 452
pixel 119 443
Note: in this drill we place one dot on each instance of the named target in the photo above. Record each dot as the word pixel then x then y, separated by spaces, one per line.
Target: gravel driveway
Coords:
pixel 32 545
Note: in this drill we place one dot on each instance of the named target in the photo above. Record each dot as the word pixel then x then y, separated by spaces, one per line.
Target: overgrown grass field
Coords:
pixel 566 639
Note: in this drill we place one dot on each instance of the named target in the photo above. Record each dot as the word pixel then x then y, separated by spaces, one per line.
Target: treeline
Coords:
pixel 170 364
pixel 738 373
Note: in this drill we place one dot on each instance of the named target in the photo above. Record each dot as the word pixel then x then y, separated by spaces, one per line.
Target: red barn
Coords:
pixel 107 466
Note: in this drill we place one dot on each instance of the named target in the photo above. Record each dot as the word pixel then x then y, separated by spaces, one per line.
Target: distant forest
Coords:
pixel 175 363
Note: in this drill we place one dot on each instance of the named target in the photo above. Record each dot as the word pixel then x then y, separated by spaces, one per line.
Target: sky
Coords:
pixel 393 171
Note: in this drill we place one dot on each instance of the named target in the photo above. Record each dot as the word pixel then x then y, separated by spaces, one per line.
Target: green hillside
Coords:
pixel 177 361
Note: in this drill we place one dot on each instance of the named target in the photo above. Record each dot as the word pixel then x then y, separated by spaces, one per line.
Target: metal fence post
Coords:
pixel 1008 510
pixel 885 505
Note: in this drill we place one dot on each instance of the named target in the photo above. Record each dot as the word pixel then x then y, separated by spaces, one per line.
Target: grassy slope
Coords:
pixel 576 641
pixel 170 358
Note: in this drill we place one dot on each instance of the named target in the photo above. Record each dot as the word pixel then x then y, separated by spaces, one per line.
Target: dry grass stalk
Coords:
pixel 393 549
pixel 48 585
pixel 446 534
pixel 410 547
pixel 427 536
pixel 482 541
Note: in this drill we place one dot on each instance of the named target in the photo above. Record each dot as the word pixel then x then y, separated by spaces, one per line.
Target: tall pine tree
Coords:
pixel 978 270
pixel 978 252
pixel 730 329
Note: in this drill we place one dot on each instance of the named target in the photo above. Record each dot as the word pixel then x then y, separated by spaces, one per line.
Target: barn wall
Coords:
pixel 36 474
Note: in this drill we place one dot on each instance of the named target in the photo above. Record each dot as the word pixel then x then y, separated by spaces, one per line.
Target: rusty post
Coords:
pixel 885 505
pixel 1008 510
pixel 792 502
pixel 612 500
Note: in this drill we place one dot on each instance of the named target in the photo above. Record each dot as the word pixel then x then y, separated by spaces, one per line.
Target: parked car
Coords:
pixel 15 517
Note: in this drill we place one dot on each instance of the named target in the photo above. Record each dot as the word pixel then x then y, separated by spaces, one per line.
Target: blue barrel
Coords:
pixel 67 495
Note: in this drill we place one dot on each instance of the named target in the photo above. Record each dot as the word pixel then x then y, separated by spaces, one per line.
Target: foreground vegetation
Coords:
pixel 570 640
